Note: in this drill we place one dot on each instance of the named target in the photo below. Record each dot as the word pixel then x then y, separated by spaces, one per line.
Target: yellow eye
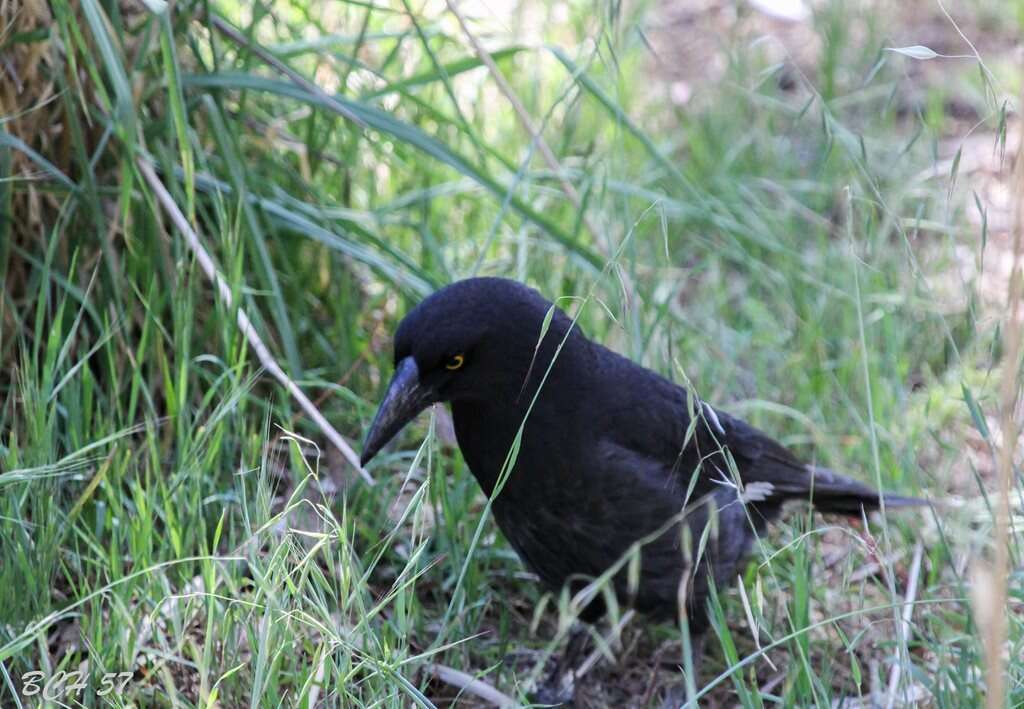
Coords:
pixel 454 362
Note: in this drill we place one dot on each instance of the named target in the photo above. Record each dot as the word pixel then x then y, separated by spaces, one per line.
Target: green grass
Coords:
pixel 167 510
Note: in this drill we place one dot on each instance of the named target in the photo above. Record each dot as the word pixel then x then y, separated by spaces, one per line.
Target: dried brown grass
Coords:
pixel 30 106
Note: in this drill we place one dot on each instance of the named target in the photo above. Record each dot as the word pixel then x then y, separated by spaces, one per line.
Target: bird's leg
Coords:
pixel 559 687
pixel 678 693
pixel 697 642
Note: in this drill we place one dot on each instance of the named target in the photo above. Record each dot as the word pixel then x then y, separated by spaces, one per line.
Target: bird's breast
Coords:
pixel 490 440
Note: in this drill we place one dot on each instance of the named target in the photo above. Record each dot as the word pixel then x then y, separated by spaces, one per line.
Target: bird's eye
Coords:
pixel 454 362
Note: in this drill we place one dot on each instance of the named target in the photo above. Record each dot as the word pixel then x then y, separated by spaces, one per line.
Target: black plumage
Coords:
pixel 610 452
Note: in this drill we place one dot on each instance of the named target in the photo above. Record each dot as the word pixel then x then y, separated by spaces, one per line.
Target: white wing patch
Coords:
pixel 757 491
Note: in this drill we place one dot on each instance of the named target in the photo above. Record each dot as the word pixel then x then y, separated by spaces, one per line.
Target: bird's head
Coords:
pixel 474 339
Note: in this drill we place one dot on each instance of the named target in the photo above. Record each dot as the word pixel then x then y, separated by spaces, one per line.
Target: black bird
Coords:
pixel 610 452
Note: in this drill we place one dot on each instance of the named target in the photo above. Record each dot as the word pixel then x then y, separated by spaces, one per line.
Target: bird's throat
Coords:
pixel 486 432
pixel 488 427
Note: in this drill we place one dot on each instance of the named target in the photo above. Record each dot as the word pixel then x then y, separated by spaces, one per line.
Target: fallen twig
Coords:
pixel 244 324
pixel 471 685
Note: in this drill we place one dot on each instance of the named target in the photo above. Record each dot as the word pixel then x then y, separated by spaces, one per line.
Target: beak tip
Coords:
pixel 403 400
pixel 370 450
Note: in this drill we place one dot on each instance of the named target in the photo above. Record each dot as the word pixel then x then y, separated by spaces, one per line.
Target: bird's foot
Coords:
pixel 675 697
pixel 559 687
pixel 678 694
pixel 557 690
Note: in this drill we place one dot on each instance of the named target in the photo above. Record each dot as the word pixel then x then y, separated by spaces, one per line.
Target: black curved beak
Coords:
pixel 405 398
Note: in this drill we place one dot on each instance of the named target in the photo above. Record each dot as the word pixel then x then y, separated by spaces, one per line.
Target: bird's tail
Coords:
pixel 839 494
